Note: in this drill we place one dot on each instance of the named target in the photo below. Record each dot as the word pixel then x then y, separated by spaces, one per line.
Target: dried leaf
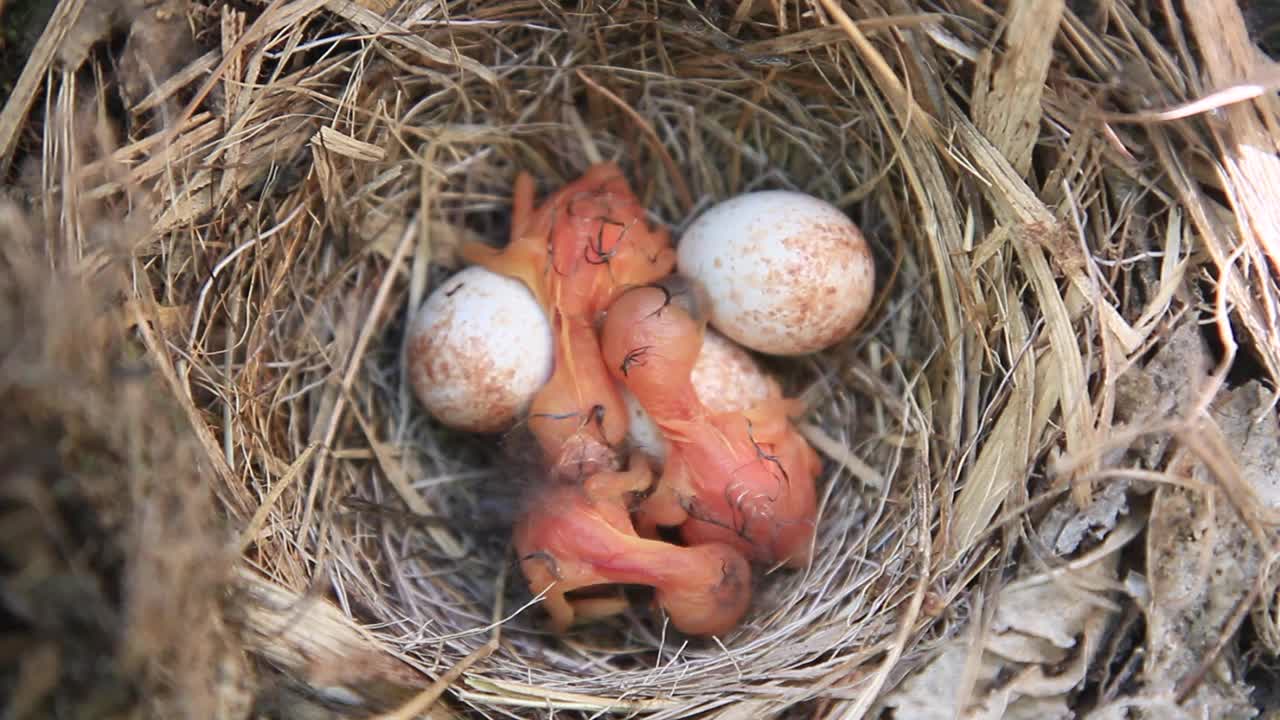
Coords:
pixel 1204 560
pixel 1040 623
pixel 1168 383
pixel 1068 526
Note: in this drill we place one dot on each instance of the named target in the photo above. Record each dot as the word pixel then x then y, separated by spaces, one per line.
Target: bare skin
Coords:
pixel 575 252
pixel 577 536
pixel 742 478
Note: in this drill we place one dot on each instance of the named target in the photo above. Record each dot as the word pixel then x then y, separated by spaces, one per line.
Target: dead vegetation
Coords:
pixel 1050 488
pixel 114 566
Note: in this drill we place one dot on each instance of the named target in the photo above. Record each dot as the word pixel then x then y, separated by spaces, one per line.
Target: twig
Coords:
pixel 353 365
pixel 259 518
pixel 28 84
pixel 270 20
pixel 907 108
pixel 682 188
pixel 423 702
pixel 842 454
pixel 907 624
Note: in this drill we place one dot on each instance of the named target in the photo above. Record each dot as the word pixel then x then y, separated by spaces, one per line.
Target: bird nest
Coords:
pixel 297 176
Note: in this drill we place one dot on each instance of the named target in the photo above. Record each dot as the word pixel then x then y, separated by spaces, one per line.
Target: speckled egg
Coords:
pixel 786 273
pixel 478 349
pixel 727 378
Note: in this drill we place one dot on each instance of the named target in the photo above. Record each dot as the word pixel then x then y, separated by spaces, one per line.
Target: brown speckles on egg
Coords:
pixel 787 273
pixel 478 351
pixel 727 379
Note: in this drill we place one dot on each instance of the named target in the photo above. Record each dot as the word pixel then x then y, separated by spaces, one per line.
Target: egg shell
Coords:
pixel 726 379
pixel 477 351
pixel 787 273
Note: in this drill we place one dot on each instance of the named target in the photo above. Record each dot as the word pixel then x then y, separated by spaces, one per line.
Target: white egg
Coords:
pixel 725 378
pixel 478 350
pixel 786 273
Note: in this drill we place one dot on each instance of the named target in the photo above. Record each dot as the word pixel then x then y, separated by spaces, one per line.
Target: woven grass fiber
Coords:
pixel 266 189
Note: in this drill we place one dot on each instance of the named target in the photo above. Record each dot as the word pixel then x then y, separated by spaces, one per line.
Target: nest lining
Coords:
pixel 315 188
pixel 563 90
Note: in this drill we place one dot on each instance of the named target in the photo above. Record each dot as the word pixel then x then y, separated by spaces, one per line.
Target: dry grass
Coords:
pixel 114 569
pixel 1048 190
